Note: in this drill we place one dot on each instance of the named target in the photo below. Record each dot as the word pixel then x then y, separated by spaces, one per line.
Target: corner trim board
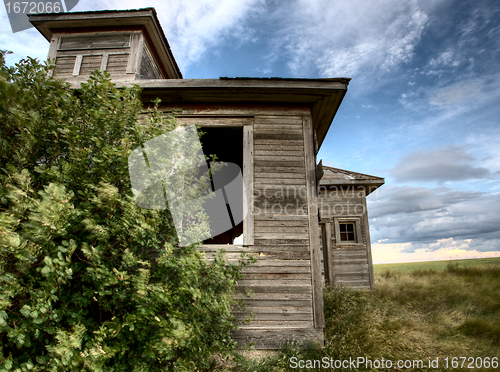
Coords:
pixel 248 177
pixel 314 231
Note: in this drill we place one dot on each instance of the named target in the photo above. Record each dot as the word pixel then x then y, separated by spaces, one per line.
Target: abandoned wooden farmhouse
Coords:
pixel 304 223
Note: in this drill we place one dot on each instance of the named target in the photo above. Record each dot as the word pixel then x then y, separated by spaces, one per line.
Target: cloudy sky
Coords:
pixel 422 109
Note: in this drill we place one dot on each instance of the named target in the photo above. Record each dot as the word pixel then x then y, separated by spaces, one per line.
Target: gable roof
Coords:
pixel 341 177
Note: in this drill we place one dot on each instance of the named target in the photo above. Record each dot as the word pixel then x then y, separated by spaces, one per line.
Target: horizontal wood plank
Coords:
pixel 273 241
pixel 281 217
pixel 246 323
pixel 277 142
pixel 292 230
pixel 279 131
pixel 279 158
pixel 113 40
pixel 279 222
pixel 294 321
pixel 239 110
pixel 251 296
pixel 279 152
pixel 277 311
pixel 278 119
pixel 277 136
pixel 276 303
pixel 275 338
pixel 212 121
pixel 276 276
pixel 253 288
pixel 266 168
pixel 286 164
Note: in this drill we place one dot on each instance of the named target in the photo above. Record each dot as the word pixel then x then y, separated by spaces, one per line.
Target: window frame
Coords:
pixel 246 122
pixel 358 239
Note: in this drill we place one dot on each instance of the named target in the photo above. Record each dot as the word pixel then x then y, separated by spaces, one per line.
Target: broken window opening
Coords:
pixel 226 144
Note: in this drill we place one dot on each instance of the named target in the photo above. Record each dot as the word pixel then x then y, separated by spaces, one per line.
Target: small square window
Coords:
pixel 347 232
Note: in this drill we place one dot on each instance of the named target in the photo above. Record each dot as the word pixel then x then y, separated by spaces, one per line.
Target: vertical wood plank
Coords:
pixel 104 62
pixel 324 277
pixel 316 147
pixel 329 254
pixel 337 231
pixel 135 56
pixel 54 44
pixel 319 315
pixel 368 241
pixel 78 65
pixel 248 220
pixel 319 174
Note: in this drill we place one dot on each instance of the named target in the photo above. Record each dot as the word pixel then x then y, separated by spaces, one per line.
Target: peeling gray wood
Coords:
pixel 135 56
pixel 327 253
pixel 274 338
pixel 248 181
pixel 78 64
pixel 319 316
pixel 104 61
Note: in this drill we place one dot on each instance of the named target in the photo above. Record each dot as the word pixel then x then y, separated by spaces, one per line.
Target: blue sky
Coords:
pixel 422 107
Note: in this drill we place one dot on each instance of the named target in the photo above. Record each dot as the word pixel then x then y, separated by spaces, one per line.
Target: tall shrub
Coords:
pixel 88 280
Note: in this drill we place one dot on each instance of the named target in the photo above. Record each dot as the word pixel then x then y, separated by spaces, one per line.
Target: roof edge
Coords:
pixel 347 172
pixel 344 80
pixel 369 182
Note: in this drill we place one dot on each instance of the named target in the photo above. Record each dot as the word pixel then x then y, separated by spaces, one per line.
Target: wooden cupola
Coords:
pixel 128 44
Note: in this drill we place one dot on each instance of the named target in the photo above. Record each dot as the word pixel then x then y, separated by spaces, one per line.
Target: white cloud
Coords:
pixel 191 27
pixel 456 93
pixel 494 31
pixel 354 37
pixel 449 249
pixel 346 61
pixel 265 71
pixel 428 218
pixel 23 43
pixel 445 59
pixel 485 145
pixel 451 163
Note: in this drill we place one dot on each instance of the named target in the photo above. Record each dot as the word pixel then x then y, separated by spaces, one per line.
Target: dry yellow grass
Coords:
pixel 443 312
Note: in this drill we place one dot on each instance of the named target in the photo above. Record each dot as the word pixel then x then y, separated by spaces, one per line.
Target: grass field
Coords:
pixel 437 265
pixel 417 312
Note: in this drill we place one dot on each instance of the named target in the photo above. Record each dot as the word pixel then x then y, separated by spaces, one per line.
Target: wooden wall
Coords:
pixel 346 263
pixel 80 54
pixel 282 291
pixel 282 282
pixel 125 55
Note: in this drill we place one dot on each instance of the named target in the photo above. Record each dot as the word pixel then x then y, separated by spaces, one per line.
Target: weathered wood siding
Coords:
pixel 282 303
pixel 346 263
pixel 120 54
pixel 117 64
pixel 64 65
pixel 89 64
pixel 281 306
pixel 149 68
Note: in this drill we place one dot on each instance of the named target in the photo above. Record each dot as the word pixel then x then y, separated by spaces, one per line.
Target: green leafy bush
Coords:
pixel 89 281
